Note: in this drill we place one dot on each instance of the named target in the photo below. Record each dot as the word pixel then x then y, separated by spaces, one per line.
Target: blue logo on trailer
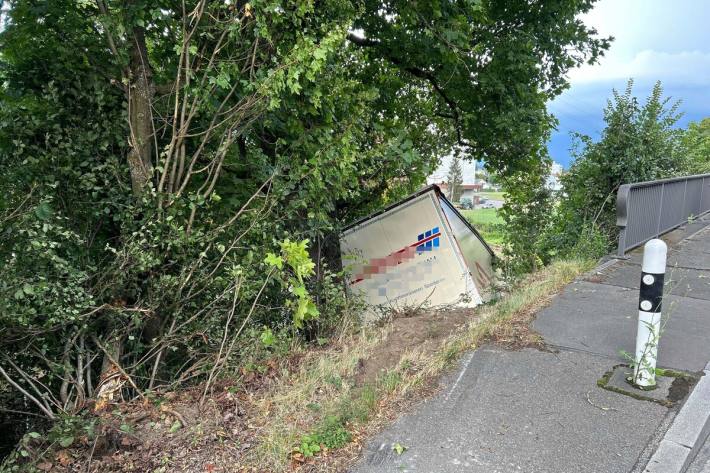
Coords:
pixel 427 242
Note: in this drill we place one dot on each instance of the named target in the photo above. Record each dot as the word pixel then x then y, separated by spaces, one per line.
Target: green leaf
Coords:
pixel 398 448
pixel 175 427
pixel 44 211
pixel 267 337
pixel 274 260
pixel 66 441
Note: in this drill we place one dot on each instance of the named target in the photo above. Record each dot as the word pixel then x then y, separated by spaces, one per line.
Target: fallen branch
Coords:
pixel 29 396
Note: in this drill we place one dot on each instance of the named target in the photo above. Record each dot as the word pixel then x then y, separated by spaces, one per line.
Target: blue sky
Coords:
pixel 654 40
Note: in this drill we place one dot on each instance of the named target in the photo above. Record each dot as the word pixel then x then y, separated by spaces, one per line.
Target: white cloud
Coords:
pixel 685 67
pixel 654 40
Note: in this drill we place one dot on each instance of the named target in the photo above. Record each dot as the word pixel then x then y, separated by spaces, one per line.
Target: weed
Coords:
pixel 309 446
pixel 332 433
pixel 399 448
pixel 361 405
pixel 390 381
pixel 334 380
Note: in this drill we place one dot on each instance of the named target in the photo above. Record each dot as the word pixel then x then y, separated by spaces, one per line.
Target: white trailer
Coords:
pixel 420 250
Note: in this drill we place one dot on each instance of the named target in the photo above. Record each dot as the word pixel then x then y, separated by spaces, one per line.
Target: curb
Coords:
pixel 687 433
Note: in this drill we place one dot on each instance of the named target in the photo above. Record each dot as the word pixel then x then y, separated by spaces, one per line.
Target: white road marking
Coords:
pixel 469 357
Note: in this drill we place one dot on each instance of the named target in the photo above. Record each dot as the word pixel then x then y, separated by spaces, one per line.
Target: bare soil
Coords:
pixel 517 333
pixel 407 332
pixel 170 434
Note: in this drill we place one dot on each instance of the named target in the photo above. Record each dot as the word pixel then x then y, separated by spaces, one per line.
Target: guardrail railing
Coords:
pixel 645 210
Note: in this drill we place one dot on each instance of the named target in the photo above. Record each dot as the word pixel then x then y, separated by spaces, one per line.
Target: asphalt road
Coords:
pixel 538 412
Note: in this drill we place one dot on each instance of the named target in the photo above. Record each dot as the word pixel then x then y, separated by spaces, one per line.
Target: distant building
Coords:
pixel 553 179
pixel 469 190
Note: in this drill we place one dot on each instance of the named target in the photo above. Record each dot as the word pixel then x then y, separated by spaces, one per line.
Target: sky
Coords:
pixel 654 40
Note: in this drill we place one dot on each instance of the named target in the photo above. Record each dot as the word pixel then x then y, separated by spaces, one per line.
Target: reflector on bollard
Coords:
pixel 419 250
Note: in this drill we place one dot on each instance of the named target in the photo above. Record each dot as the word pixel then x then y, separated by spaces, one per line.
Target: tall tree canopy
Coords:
pixel 488 66
pixel 152 153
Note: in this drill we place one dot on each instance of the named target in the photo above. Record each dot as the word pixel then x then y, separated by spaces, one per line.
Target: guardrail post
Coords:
pixel 622 211
pixel 621 250
pixel 648 333
pixel 702 189
pixel 660 210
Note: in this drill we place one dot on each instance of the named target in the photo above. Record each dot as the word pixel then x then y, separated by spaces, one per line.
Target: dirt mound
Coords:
pixel 409 331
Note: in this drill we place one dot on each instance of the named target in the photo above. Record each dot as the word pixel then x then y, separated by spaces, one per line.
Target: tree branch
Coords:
pixel 416 72
pixel 29 396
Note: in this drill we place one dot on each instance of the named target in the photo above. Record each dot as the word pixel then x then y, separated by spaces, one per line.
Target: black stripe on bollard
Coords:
pixel 651 293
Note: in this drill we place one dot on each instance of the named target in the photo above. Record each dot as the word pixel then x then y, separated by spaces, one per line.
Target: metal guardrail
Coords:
pixel 645 210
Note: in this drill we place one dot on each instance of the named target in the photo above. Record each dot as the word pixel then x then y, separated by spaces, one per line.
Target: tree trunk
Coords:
pixel 140 91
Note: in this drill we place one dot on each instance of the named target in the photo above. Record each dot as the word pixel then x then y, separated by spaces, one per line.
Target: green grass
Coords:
pixel 487 222
pixel 491 195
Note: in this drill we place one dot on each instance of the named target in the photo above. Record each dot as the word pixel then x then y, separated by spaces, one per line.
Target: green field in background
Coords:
pixel 491 195
pixel 487 222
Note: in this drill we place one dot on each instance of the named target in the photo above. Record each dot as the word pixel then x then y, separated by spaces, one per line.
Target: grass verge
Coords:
pixel 317 417
pixel 487 222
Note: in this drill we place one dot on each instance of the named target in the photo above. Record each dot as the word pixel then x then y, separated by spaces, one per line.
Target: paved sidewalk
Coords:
pixel 533 411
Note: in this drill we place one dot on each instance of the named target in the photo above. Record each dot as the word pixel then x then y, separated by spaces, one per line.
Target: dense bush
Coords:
pixel 639 143
pixel 695 144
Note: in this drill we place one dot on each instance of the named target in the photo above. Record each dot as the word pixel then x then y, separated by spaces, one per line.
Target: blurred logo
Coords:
pixel 428 240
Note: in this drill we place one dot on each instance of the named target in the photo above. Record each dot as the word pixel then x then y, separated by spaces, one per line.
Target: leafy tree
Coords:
pixel 153 153
pixel 487 66
pixel 526 215
pixel 695 145
pixel 639 143
pixel 454 179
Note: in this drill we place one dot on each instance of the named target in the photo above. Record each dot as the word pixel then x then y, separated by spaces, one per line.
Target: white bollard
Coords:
pixel 653 272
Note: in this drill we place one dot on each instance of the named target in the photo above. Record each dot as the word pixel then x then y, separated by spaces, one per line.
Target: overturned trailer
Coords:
pixel 420 250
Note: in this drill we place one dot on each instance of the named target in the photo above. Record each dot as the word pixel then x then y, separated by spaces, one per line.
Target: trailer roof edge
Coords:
pixel 392 206
pixel 420 192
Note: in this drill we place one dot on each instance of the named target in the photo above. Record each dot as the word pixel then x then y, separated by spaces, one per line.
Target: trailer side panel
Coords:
pixel 405 256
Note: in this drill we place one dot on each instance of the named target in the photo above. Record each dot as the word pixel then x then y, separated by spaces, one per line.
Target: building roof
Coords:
pixel 445 185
